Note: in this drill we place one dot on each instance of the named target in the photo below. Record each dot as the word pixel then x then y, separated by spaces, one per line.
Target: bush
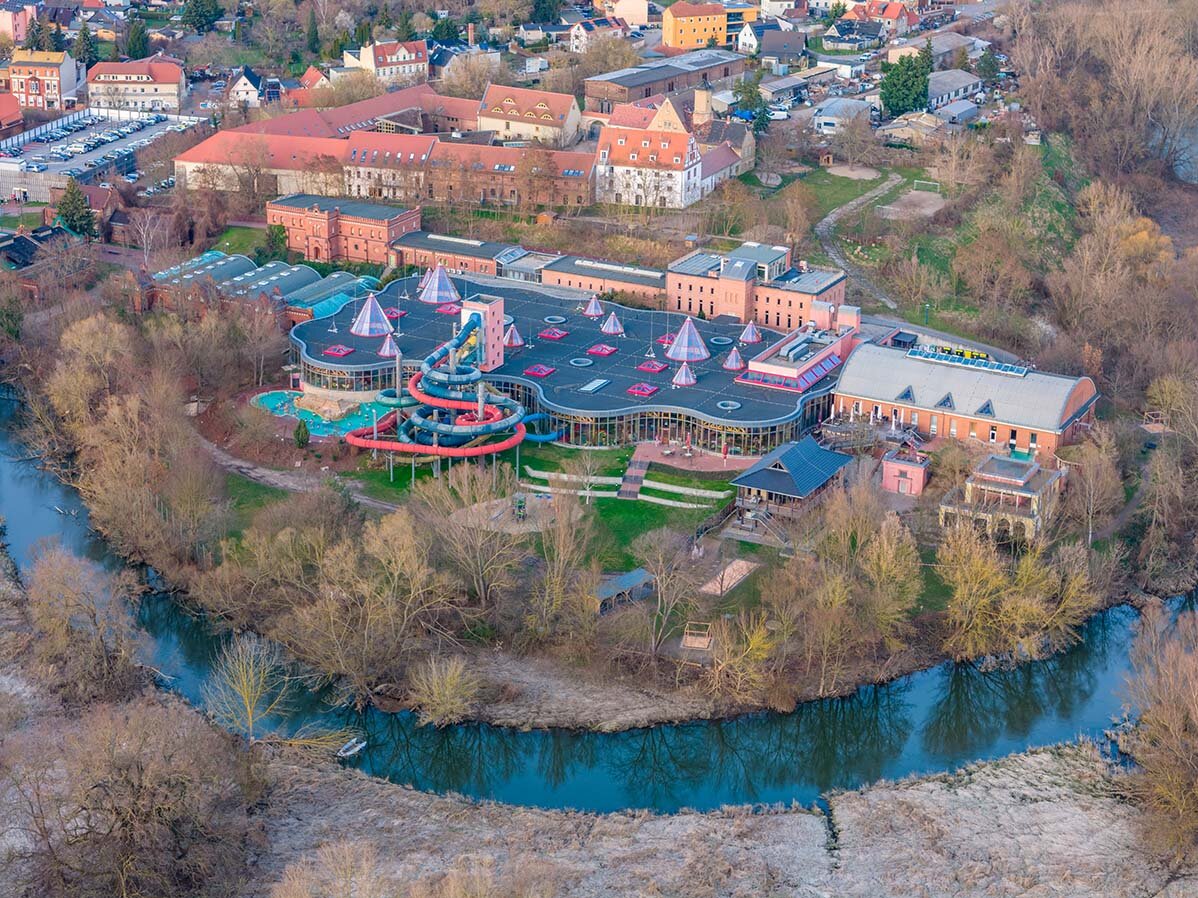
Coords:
pixel 302 435
pixel 444 690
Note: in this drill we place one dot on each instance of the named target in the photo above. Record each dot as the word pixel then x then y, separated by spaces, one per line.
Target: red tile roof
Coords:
pixel 671 150
pixel 541 107
pixel 375 150
pixel 416 49
pixel 313 77
pixel 341 121
pixel 632 115
pixel 718 159
pixel 158 71
pixel 10 110
pixel 266 150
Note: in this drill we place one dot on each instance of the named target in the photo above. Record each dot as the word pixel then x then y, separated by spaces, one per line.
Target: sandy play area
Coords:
pixel 729 577
pixel 855 172
pixel 913 204
pixel 500 514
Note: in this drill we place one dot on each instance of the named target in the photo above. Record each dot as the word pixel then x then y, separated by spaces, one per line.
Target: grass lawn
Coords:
pixel 831 191
pixel 546 457
pixel 247 497
pixel 29 220
pixel 241 240
pixel 621 521
pixel 936 592
pixel 377 482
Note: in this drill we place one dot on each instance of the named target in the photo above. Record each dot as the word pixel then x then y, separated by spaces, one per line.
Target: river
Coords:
pixel 928 722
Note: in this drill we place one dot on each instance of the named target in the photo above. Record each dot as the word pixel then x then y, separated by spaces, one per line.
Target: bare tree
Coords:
pixel 1095 489
pixel 665 556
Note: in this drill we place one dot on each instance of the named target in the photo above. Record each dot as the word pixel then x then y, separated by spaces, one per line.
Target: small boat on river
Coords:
pixel 351 748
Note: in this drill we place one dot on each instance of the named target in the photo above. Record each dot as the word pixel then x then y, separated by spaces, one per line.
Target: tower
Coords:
pixel 701 114
pixel 490 335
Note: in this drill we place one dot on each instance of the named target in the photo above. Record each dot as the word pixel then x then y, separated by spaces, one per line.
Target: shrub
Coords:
pixel 444 690
pixel 302 435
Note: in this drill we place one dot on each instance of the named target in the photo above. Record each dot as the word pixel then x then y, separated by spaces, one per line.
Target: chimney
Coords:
pixel 470 33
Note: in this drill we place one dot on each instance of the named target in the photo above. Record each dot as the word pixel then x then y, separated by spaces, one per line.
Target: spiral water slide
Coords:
pixel 450 411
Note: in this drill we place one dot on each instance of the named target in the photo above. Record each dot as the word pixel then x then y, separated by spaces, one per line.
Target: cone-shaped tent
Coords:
pixel 371 321
pixel 594 308
pixel 612 326
pixel 424 280
pixel 389 350
pixel 684 377
pixel 734 362
pixel 687 346
pixel 750 334
pixel 439 289
pixel 512 339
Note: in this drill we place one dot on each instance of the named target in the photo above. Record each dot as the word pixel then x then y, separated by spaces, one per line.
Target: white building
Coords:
pixel 393 62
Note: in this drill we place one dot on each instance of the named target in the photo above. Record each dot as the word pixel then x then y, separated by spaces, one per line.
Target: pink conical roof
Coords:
pixel 734 362
pixel 684 377
pixel 594 308
pixel 371 321
pixel 512 339
pixel 389 350
pixel 750 334
pixel 612 326
pixel 424 280
pixel 439 289
pixel 687 346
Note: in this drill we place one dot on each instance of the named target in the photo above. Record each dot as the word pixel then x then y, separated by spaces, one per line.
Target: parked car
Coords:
pixel 777 115
pixel 36 167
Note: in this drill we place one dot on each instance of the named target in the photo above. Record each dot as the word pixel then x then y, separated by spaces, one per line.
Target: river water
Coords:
pixel 928 722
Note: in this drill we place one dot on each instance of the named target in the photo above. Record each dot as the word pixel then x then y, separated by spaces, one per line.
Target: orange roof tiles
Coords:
pixel 417 50
pixel 270 151
pixel 157 71
pixel 541 107
pixel 375 150
pixel 640 148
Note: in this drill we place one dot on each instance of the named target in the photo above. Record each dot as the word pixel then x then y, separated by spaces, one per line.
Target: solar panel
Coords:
pixel 594 386
pixel 932 355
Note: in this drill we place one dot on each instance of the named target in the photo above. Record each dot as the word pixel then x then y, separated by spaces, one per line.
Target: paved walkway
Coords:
pixel 634 476
pixel 825 230
pixel 699 460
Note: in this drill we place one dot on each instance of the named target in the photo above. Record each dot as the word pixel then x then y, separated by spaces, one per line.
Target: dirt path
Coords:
pixel 293 481
pixel 1124 516
pixel 825 230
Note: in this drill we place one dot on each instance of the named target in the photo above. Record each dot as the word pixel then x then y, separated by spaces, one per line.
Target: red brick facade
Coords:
pixel 325 230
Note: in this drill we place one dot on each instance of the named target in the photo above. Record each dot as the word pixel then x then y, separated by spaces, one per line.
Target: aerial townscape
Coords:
pixel 634 448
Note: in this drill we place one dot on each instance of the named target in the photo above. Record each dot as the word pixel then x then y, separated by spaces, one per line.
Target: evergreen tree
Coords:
pixel 137 44
pixel 546 11
pixel 987 65
pixel 201 14
pixel 905 85
pixel 301 435
pixel 384 17
pixel 362 33
pixel 446 30
pixel 114 55
pixel 47 41
pixel 84 51
pixel 74 211
pixel 33 37
pixel 313 31
pixel 60 39
pixel 403 26
pixel 926 59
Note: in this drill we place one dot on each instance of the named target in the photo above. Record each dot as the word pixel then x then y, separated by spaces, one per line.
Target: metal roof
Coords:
pixel 794 469
pixel 595 268
pixel 758 252
pixel 1036 400
pixel 941 83
pixel 353 208
pixel 460 246
pixel 813 281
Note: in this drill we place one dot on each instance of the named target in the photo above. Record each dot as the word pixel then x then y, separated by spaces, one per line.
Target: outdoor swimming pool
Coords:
pixel 282 403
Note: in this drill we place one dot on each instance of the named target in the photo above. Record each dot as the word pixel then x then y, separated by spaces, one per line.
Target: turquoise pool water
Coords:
pixel 282 403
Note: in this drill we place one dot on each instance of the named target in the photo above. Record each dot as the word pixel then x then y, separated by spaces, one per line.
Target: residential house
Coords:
pixel 833 114
pixel 691 26
pixel 520 113
pixel 43 79
pixel 783 50
pixel 247 88
pixel 635 13
pixel 647 157
pixel 327 229
pixel 895 18
pixel 585 34
pixel 103 201
pixel 787 9
pixel 15 18
pixel 949 85
pixel 443 57
pixel 145 84
pixel 552 33
pixel 934 392
pixel 749 39
pixel 851 34
pixel 392 62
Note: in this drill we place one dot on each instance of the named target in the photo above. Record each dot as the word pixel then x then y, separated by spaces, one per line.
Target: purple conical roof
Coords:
pixel 684 376
pixel 750 334
pixel 371 321
pixel 734 362
pixel 439 289
pixel 389 350
pixel 594 308
pixel 612 326
pixel 512 339
pixel 687 346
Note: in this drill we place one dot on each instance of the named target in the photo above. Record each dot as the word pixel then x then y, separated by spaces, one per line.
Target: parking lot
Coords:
pixel 93 149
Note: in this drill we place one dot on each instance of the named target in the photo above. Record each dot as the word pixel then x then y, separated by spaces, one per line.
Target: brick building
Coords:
pixel 754 282
pixel 333 230
pixel 653 77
